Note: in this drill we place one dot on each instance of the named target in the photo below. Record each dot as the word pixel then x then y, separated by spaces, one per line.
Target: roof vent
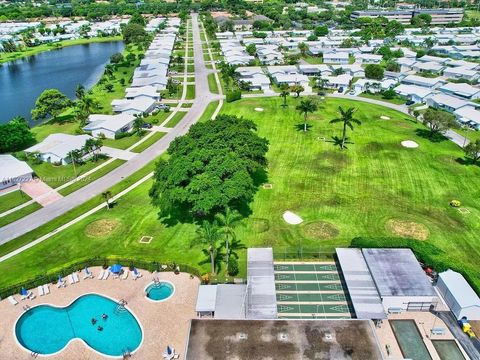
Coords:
pixel 328 336
pixel 282 337
pixel 242 336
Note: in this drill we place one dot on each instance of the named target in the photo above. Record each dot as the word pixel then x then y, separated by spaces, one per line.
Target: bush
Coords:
pixel 455 203
pixel 389 94
pixel 233 96
pixel 232 266
pixel 122 135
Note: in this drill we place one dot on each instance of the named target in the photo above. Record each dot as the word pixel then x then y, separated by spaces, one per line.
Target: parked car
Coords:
pixel 147 126
pixel 340 90
pixel 163 106
pixel 410 102
pixel 353 92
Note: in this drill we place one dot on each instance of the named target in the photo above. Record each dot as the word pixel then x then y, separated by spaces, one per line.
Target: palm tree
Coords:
pixel 284 95
pixel 303 48
pixel 320 82
pixel 228 222
pixel 75 156
pixel 346 117
pixel 107 195
pixel 80 92
pixel 91 145
pixel 209 234
pixel 305 107
pixel 138 124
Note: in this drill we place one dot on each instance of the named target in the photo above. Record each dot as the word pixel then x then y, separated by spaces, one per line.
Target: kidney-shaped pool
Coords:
pixel 100 322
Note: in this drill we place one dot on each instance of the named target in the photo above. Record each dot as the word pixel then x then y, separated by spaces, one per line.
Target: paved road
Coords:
pixel 50 212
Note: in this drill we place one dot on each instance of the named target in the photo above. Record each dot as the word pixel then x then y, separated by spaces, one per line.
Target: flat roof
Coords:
pixel 206 298
pixel 460 289
pixel 282 339
pixel 396 272
pixel 261 295
pixel 230 303
pixel 361 287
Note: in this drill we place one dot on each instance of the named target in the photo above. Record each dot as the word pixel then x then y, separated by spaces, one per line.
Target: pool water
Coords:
pixel 46 329
pixel 410 340
pixel 159 291
pixel 448 350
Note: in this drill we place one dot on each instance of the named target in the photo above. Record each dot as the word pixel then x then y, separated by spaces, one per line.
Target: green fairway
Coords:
pixel 375 188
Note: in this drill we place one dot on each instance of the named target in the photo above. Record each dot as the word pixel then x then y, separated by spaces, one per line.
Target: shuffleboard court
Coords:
pixel 310 290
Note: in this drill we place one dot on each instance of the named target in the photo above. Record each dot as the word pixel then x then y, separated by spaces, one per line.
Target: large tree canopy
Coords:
pixel 209 169
pixel 50 103
pixel 15 135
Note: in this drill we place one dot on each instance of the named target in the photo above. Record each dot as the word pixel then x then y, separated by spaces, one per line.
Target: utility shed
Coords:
pixel 361 287
pixel 400 281
pixel 459 296
pixel 261 295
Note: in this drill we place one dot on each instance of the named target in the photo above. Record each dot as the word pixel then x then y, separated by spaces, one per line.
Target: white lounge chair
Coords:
pixel 61 283
pixel 101 274
pixel 75 277
pixel 46 289
pixel 125 275
pixel 88 274
pixel 106 274
pixel 40 290
pixel 31 295
pixel 70 279
pixel 12 300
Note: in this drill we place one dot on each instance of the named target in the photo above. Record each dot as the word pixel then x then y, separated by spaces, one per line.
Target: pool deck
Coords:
pixel 164 323
pixel 424 321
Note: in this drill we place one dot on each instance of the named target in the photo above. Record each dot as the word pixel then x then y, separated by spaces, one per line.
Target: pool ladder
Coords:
pixel 126 354
pixel 121 306
pixel 34 354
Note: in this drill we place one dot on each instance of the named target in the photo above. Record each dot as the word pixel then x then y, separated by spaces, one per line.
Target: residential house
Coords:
pixel 448 103
pixel 255 77
pixel 133 107
pixel 431 83
pixel 461 73
pixel 336 58
pixel 368 58
pixel 461 90
pixel 109 126
pixel 418 94
pixel 468 116
pixel 56 147
pixel 315 69
pixel 337 82
pixel 14 171
pixel 143 92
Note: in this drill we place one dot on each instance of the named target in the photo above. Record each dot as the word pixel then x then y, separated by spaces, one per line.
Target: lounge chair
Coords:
pixel 88 274
pixel 101 274
pixel 46 289
pixel 176 356
pixel 61 283
pixel 125 275
pixel 75 277
pixel 31 295
pixel 40 291
pixel 12 300
pixel 70 279
pixel 106 274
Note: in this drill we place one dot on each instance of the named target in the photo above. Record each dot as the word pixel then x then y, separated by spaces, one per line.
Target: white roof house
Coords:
pixel 336 58
pixel 468 116
pixel 291 79
pixel 149 92
pixel 415 93
pixel 135 106
pixel 159 82
pixel 462 90
pixel 338 81
pixel 109 125
pixel 430 66
pixel 459 296
pixel 461 73
pixel 312 69
pixel 14 171
pixel 55 147
pixel 448 103
pixel 431 83
pixel 368 58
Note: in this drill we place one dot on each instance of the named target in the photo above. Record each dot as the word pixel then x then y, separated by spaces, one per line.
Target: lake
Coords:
pixel 22 81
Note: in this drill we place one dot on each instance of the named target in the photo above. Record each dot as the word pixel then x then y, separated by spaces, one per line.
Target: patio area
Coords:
pixel 164 323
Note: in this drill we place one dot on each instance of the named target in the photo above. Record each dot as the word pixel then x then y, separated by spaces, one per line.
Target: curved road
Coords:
pixel 50 212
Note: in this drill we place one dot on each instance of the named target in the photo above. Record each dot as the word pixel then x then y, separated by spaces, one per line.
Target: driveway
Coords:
pixel 117 153
pixel 41 192
pixel 75 199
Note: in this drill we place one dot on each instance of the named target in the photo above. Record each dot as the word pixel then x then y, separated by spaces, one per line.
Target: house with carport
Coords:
pixel 109 126
pixel 56 147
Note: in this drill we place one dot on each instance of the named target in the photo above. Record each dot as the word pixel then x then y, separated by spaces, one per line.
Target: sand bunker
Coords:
pixel 259 109
pixel 292 218
pixel 383 117
pixel 409 144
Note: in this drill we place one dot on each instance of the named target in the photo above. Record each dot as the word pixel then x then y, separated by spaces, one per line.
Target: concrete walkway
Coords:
pixel 40 192
pixel 117 153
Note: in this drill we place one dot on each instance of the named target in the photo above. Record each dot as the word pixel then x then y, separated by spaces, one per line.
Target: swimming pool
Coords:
pixel 46 329
pixel 160 291
pixel 448 350
pixel 409 339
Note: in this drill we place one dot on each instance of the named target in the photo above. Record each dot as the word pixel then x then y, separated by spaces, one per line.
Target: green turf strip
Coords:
pixel 307 277
pixel 311 297
pixel 307 287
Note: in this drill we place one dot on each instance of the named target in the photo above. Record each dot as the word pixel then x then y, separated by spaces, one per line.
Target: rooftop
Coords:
pixel 460 289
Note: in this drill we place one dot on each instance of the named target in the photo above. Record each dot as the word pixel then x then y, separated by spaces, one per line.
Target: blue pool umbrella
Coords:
pixel 135 271
pixel 23 291
pixel 169 350
pixel 116 268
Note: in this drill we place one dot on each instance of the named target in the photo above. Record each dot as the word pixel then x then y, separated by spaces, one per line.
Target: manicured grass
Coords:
pixel 94 176
pixel 125 142
pixel 55 176
pixel 4 57
pixel 471 135
pixel 313 59
pixel 159 117
pixel 207 115
pixel 175 119
pixel 19 214
pixel 190 92
pixel 42 131
pixel 190 68
pixel 340 194
pixel 396 101
pixel 149 142
pixel 12 200
pixel 212 84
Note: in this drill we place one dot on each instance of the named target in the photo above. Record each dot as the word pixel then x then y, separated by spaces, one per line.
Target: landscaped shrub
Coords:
pixel 232 266
pixel 455 203
pixel 233 96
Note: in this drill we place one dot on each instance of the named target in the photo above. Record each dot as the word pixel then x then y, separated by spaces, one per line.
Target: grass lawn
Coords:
pixel 94 176
pixel 19 214
pixel 190 68
pixel 12 200
pixel 190 92
pixel 396 101
pixel 42 131
pixel 4 57
pixel 55 176
pixel 159 117
pixel 175 119
pixel 207 115
pixel 212 84
pixel 149 142
pixel 375 188
pixel 471 135
pixel 125 142
pixel 313 59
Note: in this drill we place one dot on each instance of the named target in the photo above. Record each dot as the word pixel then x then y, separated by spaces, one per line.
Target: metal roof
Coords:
pixel 361 287
pixel 460 289
pixel 230 303
pixel 396 272
pixel 206 298
pixel 261 296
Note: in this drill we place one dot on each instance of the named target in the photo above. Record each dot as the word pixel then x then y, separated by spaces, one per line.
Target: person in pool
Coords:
pixel 94 321
pixel 104 316
pixel 100 328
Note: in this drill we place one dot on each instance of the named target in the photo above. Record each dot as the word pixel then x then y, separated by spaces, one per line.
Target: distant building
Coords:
pixel 439 16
